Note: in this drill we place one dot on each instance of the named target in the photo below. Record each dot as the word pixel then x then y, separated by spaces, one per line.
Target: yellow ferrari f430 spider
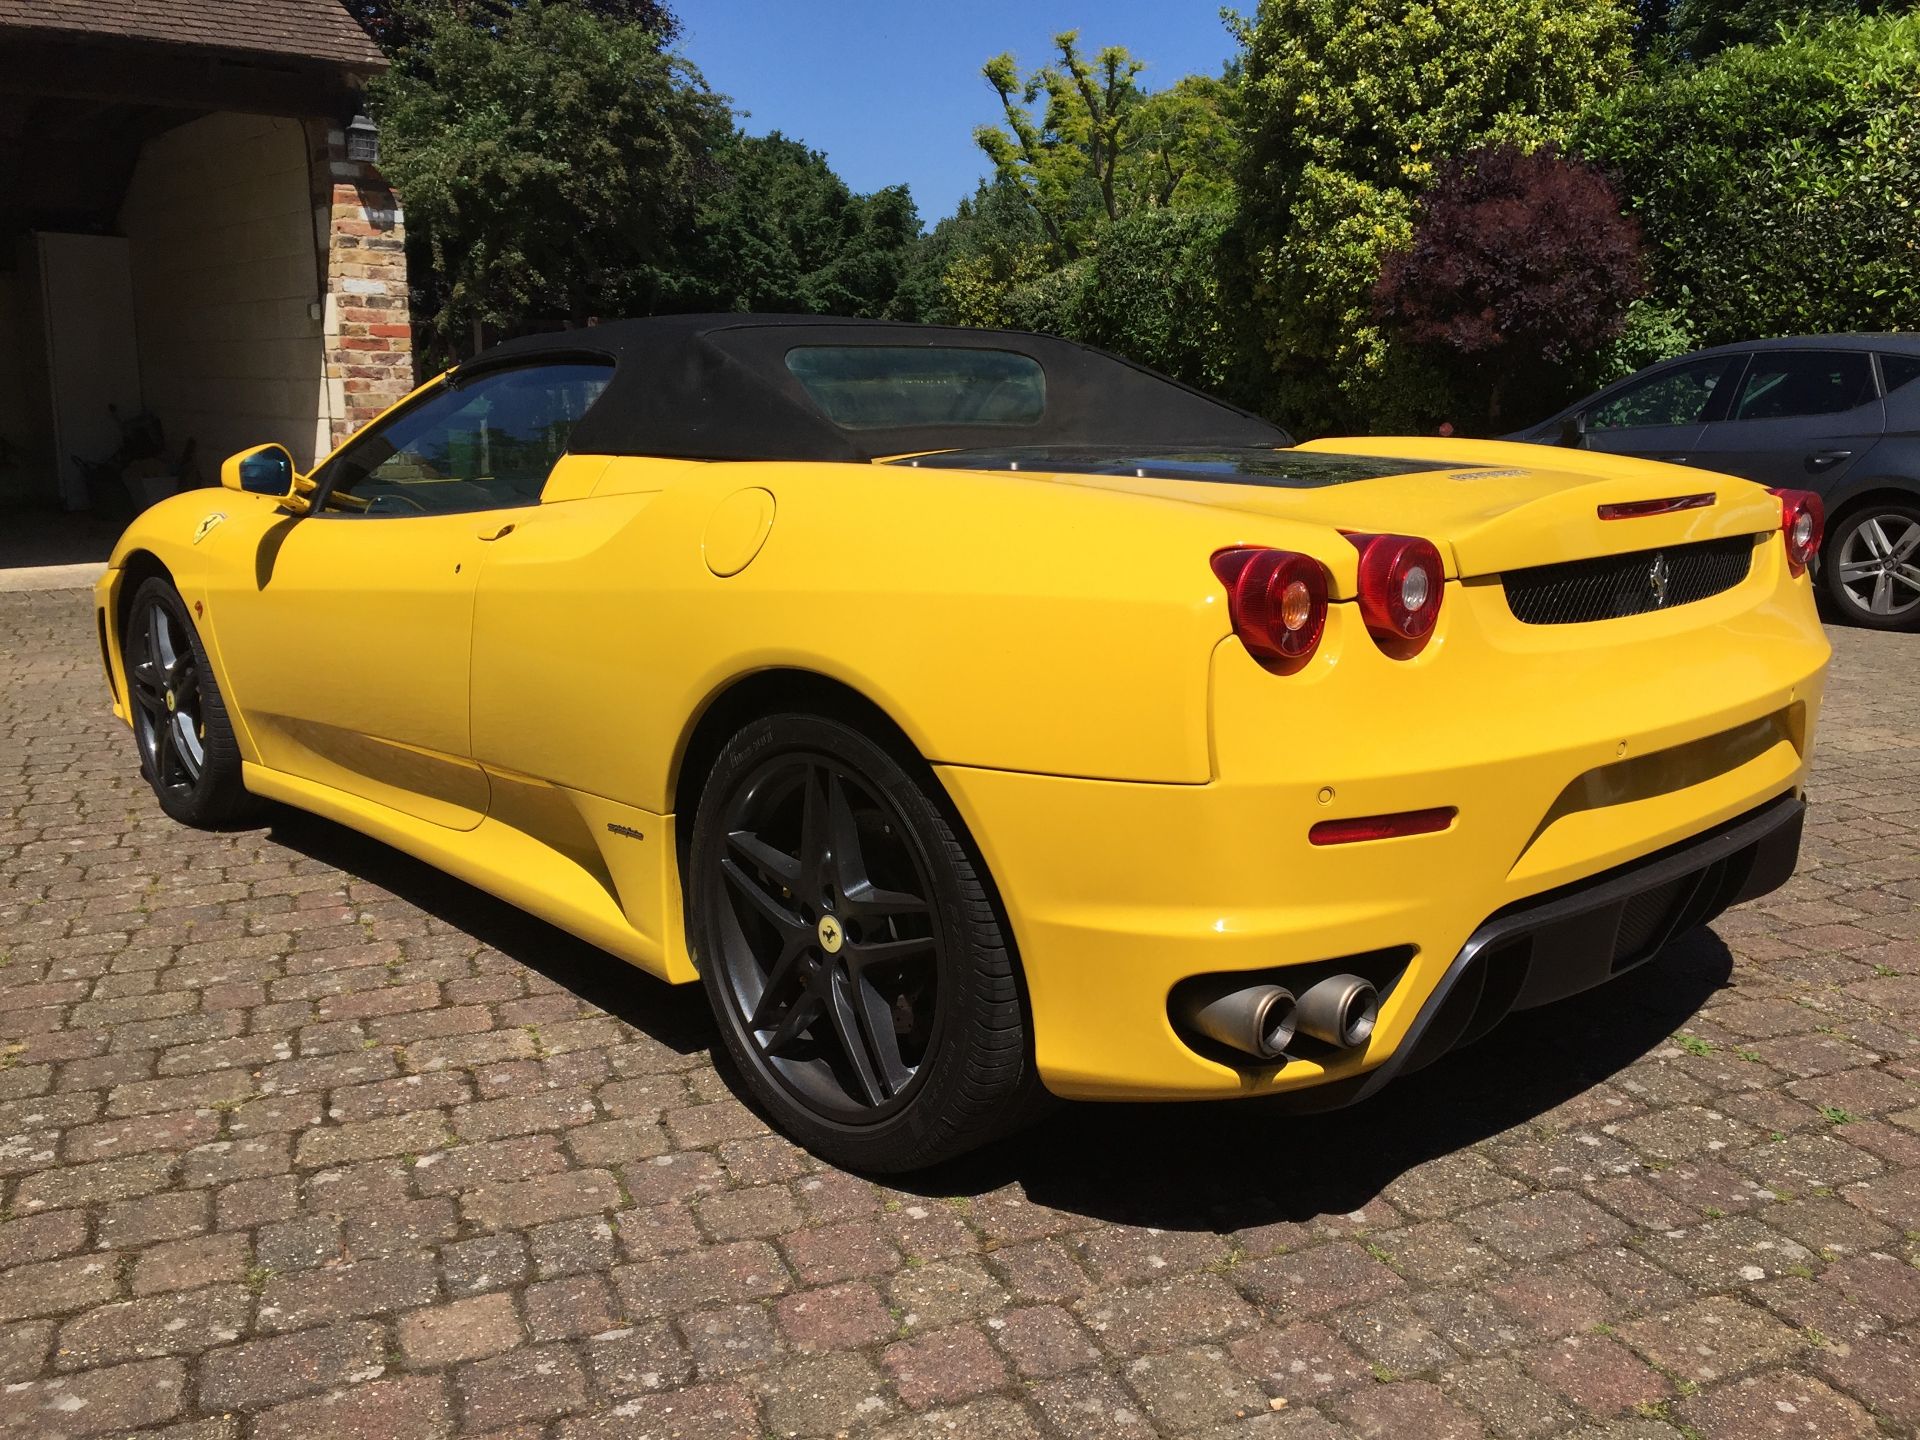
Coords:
pixel 979 716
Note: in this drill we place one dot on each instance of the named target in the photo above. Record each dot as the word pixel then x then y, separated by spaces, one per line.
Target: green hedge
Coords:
pixel 1779 185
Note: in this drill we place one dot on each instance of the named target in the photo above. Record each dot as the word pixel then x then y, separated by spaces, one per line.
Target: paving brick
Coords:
pixel 640 1359
pixel 547 1197
pixel 730 1340
pixel 460 1330
pixel 721 1274
pixel 96 1402
pixel 412 1407
pixel 533 1384
pixel 826 1395
pixel 52 1287
pixel 701 1412
pixel 188 1264
pixel 264 1372
pixel 311 1297
pixel 944 1367
pixel 180 1324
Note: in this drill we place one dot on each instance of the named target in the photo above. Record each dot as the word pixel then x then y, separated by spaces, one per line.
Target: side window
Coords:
pixel 1899 370
pixel 482 444
pixel 1783 383
pixel 1682 395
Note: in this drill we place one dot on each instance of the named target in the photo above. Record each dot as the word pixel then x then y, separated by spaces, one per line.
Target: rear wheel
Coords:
pixel 854 960
pixel 187 749
pixel 1871 567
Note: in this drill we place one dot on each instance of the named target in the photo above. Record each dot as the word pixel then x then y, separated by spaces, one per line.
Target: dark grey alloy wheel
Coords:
pixel 187 749
pixel 851 952
pixel 1872 567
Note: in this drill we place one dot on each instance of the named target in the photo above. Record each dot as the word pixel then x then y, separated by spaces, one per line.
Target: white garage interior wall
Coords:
pixel 226 287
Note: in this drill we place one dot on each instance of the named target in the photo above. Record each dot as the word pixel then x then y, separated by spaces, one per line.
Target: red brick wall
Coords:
pixel 369 333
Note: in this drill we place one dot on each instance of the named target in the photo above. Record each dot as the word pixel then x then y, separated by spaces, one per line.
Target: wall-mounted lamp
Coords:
pixel 363 140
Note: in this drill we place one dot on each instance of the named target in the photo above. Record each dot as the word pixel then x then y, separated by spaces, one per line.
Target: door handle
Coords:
pixel 1822 459
pixel 498 532
pixel 1671 459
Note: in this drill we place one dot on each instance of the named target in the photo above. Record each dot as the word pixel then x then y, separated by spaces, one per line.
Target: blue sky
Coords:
pixel 891 89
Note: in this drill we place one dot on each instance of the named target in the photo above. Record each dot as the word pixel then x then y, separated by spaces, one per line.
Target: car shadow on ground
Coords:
pixel 1219 1166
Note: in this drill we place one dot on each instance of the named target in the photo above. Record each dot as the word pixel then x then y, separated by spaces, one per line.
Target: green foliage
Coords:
pixel 1155 292
pixel 549 165
pixel 396 24
pixel 1347 110
pixel 1779 185
pixel 1649 333
pixel 959 273
pixel 1102 148
pixel 1683 31
pixel 778 232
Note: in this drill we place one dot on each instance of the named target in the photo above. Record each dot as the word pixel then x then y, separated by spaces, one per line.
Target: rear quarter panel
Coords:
pixel 1002 622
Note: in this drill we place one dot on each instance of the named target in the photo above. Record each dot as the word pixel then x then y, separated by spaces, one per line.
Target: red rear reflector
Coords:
pixel 1382 827
pixel 1671 505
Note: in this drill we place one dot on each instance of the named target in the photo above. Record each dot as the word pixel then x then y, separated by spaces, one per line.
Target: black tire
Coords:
pixel 187 748
pixel 1851 567
pixel 853 955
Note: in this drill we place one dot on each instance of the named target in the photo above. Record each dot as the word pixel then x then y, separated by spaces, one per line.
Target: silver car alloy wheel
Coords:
pixel 1880 565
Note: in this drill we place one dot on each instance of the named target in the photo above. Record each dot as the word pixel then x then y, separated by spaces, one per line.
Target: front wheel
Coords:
pixel 854 959
pixel 187 748
pixel 1871 567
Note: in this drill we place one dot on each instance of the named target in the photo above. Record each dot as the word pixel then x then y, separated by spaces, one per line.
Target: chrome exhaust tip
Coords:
pixel 1256 1020
pixel 1340 1010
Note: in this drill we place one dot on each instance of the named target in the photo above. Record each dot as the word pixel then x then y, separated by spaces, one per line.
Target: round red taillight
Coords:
pixel 1401 587
pixel 1277 601
pixel 1803 522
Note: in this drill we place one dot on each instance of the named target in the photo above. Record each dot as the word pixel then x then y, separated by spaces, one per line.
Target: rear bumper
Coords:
pixel 1568 756
pixel 1581 936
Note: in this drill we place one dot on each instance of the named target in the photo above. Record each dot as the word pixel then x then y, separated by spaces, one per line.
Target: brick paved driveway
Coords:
pixel 299 1139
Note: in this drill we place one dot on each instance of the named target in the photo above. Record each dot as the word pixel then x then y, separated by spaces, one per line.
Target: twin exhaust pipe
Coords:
pixel 1262 1020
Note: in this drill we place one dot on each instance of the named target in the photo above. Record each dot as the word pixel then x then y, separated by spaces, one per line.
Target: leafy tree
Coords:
pixel 959 272
pixel 1777 183
pixel 1679 31
pixel 1103 148
pixel 1348 110
pixel 778 231
pixel 550 165
pixel 395 24
pixel 1520 265
pixel 1155 292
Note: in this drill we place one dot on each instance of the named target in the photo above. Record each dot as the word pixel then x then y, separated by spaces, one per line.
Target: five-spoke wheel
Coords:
pixel 1872 567
pixel 187 748
pixel 851 951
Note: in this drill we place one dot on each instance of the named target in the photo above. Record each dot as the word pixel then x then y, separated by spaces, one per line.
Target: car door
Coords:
pixel 1662 415
pixel 350 653
pixel 1799 418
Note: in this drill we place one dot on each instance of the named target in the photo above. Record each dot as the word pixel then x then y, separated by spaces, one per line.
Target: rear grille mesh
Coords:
pixel 1611 586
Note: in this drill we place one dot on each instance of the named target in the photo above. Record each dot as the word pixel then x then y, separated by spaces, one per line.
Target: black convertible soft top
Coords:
pixel 722 387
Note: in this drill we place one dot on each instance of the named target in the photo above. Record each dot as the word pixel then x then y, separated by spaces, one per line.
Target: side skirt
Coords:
pixel 516 867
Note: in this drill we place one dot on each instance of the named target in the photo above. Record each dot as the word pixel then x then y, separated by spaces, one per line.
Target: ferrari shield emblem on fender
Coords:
pixel 1659 575
pixel 207 525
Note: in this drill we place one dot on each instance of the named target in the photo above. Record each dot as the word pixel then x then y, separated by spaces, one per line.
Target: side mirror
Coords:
pixel 267 470
pixel 1573 431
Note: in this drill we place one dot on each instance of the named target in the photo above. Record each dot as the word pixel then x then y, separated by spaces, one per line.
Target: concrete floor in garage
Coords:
pixel 300 1139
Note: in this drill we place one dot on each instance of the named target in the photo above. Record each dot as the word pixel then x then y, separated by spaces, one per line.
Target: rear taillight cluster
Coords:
pixel 1400 590
pixel 1277 599
pixel 1803 520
